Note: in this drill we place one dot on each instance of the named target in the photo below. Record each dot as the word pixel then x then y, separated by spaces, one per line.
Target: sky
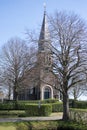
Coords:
pixel 16 16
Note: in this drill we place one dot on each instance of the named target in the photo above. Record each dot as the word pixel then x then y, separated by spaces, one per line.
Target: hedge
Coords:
pixel 12 106
pixel 81 104
pixel 20 105
pixel 35 110
pixel 33 101
pixel 37 101
pixel 77 104
pixel 6 106
pixel 57 107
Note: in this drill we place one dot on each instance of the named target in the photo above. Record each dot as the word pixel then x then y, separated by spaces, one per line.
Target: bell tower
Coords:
pixel 45 60
pixel 44 45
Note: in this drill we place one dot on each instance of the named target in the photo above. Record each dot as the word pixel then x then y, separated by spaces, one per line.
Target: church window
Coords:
pixel 47 93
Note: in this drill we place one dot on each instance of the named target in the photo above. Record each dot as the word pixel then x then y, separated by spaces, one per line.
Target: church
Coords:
pixel 43 80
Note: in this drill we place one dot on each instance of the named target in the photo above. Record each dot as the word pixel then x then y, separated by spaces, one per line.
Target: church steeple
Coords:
pixel 44 38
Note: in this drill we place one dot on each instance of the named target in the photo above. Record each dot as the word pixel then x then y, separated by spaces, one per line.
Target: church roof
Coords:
pixel 44 38
pixel 44 34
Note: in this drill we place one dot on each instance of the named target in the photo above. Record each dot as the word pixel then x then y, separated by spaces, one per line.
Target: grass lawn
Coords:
pixel 34 125
pixel 56 114
pixel 42 125
pixel 7 128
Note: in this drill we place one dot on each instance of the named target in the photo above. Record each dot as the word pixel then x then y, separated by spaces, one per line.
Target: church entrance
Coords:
pixel 47 93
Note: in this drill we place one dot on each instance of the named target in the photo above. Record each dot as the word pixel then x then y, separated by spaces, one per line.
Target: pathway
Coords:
pixel 52 117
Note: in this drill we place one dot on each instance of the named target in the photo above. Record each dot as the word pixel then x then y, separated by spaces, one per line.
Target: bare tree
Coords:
pixel 16 61
pixel 77 91
pixel 68 33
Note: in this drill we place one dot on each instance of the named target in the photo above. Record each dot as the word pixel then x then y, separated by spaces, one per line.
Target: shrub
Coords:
pixel 71 103
pixel 81 104
pixel 20 105
pixel 57 107
pixel 6 106
pixel 49 101
pixel 12 106
pixel 35 110
pixel 77 104
pixel 37 101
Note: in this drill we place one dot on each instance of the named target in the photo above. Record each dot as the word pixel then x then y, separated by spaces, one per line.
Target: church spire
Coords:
pixel 44 8
pixel 44 34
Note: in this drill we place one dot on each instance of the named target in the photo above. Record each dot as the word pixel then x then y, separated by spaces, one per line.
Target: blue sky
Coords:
pixel 18 15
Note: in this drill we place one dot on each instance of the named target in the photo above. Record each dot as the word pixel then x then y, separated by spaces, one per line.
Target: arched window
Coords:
pixel 47 92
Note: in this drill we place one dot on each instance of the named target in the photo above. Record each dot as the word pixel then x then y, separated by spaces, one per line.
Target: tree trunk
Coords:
pixel 15 94
pixel 9 93
pixel 65 107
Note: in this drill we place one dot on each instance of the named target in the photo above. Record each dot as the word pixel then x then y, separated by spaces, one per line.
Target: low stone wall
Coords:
pixel 79 115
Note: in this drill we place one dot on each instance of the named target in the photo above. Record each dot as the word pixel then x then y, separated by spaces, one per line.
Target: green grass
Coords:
pixel 34 125
pixel 42 125
pixel 7 128
pixel 56 114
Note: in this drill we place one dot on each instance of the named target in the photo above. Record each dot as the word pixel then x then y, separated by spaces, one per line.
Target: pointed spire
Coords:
pixel 44 8
pixel 44 34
